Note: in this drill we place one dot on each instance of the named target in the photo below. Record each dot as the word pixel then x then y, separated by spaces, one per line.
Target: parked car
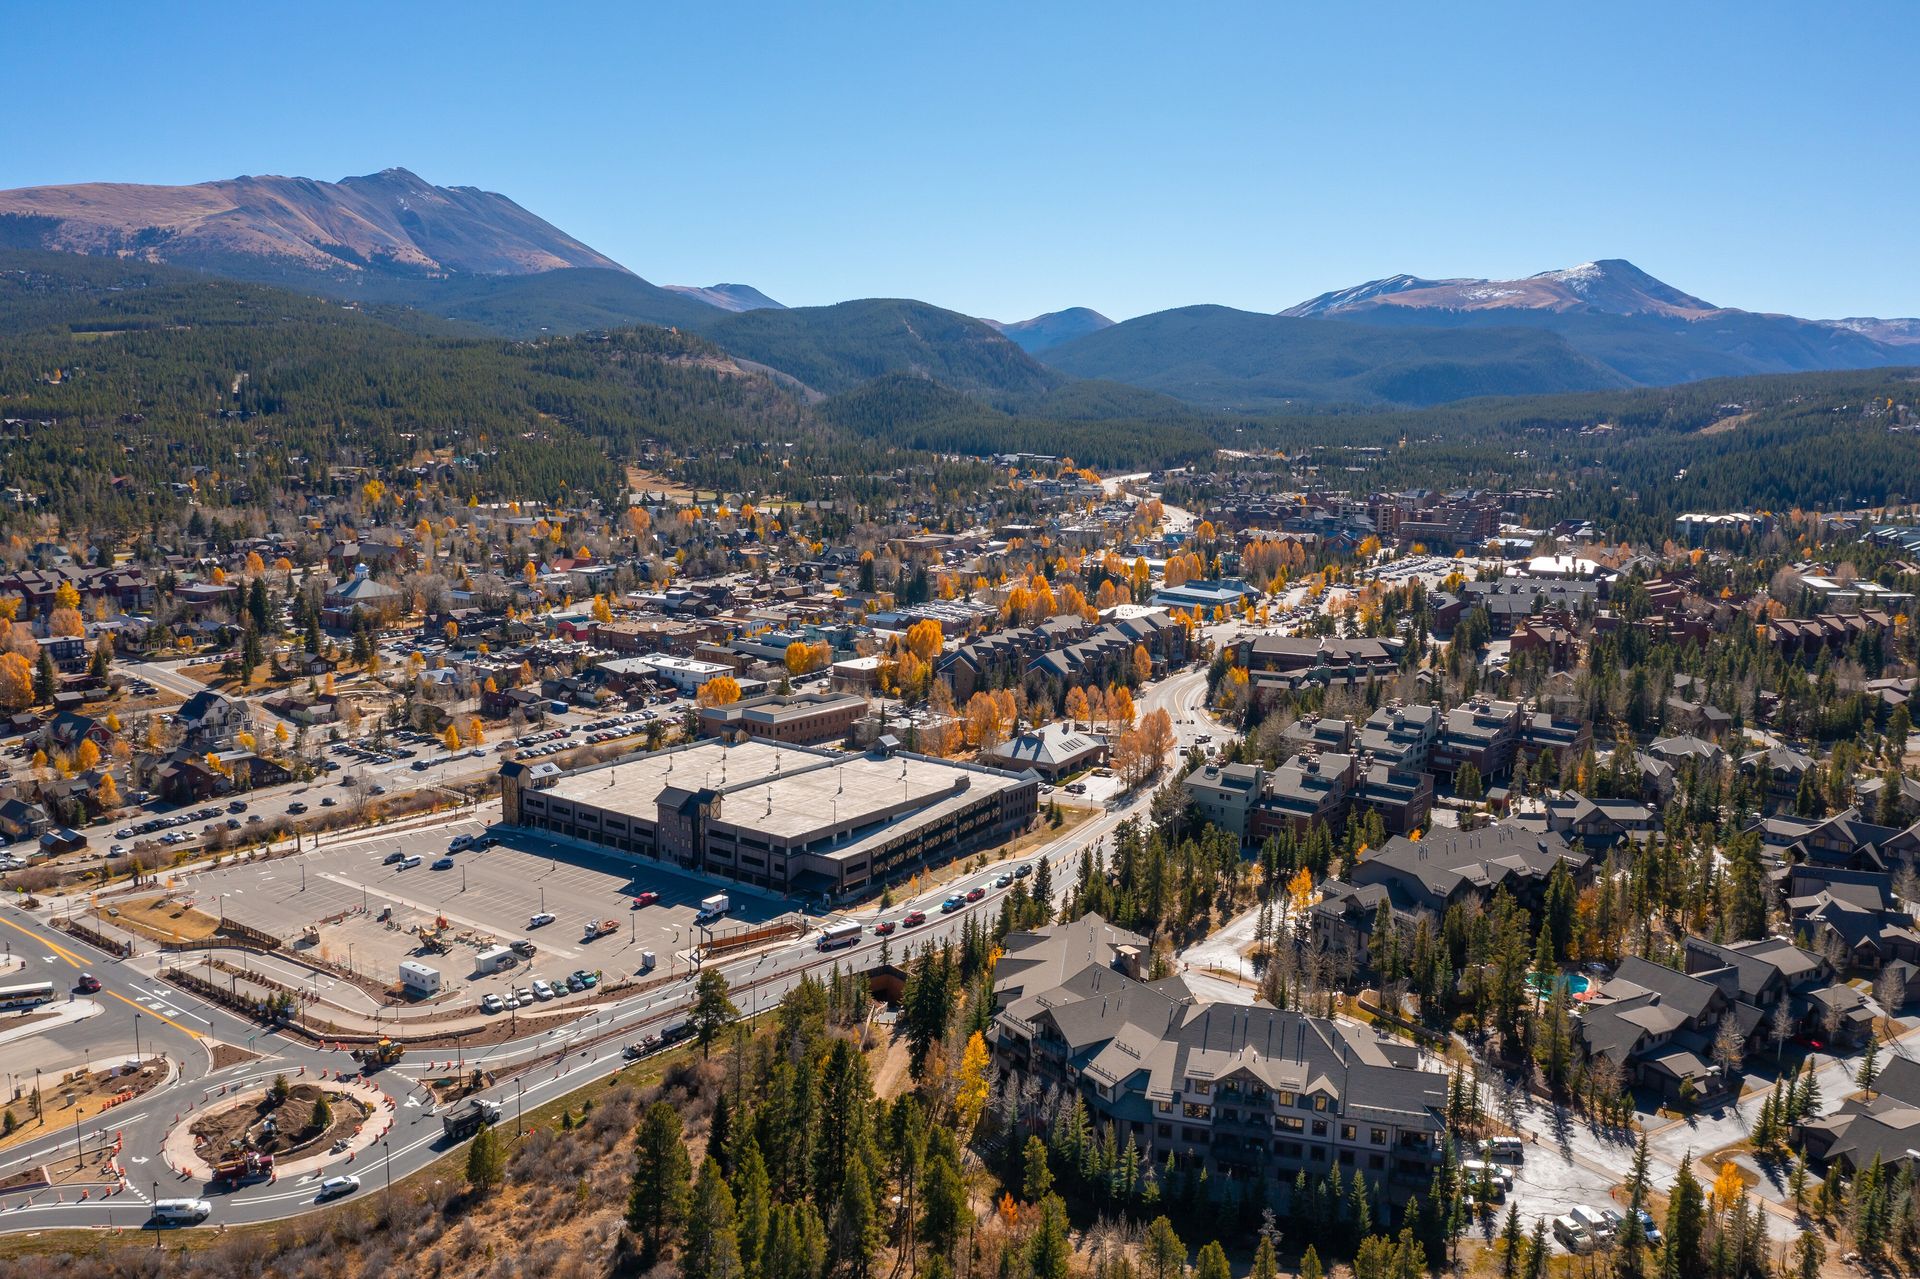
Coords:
pixel 492 1003
pixel 541 920
pixel 542 990
pixel 395 856
pixel 443 863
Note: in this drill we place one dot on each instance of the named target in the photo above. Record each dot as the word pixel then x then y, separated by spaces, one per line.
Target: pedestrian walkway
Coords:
pixel 65 1014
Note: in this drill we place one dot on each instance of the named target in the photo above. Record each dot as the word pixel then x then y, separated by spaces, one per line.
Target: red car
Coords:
pixel 883 928
pixel 87 984
pixel 976 894
pixel 915 918
pixel 645 899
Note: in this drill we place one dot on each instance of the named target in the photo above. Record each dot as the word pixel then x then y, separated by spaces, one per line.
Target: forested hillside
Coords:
pixel 118 380
pixel 835 348
pixel 1214 355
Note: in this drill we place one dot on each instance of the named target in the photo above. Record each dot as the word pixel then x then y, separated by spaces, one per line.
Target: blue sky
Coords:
pixel 1007 160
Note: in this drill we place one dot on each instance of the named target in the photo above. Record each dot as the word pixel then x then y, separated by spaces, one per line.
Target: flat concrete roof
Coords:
pixel 785 792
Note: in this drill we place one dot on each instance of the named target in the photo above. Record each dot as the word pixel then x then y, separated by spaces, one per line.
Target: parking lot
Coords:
pixel 488 896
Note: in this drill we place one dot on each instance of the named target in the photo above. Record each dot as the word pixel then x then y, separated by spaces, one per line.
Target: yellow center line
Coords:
pixel 53 946
pixel 185 1030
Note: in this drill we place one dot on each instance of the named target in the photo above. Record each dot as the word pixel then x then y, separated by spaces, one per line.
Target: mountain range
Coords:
pixel 481 260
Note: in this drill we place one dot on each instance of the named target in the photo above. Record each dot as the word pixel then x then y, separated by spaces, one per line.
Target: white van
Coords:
pixel 1506 1150
pixel 408 863
pixel 181 1212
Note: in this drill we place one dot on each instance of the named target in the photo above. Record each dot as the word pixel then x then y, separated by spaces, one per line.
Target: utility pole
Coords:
pixel 388 1149
pixel 520 1107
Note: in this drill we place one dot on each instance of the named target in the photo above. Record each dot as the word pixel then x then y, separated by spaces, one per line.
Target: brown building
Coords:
pixel 799 719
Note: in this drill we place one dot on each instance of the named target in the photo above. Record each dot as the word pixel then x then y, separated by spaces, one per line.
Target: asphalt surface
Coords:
pixel 531 1070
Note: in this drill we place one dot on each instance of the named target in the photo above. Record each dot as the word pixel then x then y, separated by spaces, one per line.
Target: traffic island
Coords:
pixel 294 1126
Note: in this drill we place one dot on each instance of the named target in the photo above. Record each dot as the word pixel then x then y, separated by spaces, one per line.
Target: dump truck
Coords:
pixel 468 1119
pixel 248 1166
pixel 384 1053
pixel 597 928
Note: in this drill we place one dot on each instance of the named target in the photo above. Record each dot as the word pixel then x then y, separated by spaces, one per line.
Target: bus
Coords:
pixel 834 936
pixel 15 999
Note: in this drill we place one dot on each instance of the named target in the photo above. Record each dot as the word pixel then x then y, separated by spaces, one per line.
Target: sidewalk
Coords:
pixel 66 1014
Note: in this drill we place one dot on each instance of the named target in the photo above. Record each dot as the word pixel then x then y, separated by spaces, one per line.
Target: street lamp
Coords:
pixel 520 1106
pixel 136 1039
pixel 388 1149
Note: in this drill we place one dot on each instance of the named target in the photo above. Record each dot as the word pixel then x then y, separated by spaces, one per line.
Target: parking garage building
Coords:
pixel 800 821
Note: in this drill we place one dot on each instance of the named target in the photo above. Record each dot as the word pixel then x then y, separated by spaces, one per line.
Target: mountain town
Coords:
pixel 1191 784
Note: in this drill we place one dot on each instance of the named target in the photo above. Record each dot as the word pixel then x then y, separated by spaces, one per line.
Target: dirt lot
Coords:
pixel 291 1128
pixel 94 1095
pixel 165 918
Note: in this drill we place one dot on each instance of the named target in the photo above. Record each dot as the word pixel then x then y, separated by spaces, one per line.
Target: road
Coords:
pixel 532 1070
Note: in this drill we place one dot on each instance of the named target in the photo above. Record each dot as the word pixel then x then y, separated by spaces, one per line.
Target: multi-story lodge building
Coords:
pixel 1244 1092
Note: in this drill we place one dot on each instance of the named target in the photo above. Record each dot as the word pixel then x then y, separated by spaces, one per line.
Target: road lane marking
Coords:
pixel 53 946
pixel 185 1030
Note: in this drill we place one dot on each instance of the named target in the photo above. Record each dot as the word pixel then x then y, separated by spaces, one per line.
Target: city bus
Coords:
pixel 834 936
pixel 15 999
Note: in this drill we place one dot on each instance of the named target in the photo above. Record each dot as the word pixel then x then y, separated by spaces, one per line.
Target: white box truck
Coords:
pixel 715 906
pixel 495 958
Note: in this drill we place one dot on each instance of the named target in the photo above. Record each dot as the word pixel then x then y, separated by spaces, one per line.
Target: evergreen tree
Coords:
pixel 856 1228
pixel 1869 1065
pixel 944 1214
pixel 1513 1244
pixel 486 1160
pixel 1049 1253
pixel 1537 1250
pixel 712 1009
pixel 1310 1267
pixel 1211 1263
pixel 712 1247
pixel 1686 1223
pixel 1266 1264
pixel 1163 1254
pixel 657 1200
pixel 1038 1182
pixel 753 1200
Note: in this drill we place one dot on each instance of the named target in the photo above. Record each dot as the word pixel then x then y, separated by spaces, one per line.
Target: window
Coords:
pixel 1376 1162
pixel 1347 1132
pixel 1164 1107
pixel 1319 1127
pixel 1200 1086
pixel 1291 1124
pixel 1319 1102
pixel 1194 1110
pixel 1164 1130
pixel 1286 1098
pixel 1378 1136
